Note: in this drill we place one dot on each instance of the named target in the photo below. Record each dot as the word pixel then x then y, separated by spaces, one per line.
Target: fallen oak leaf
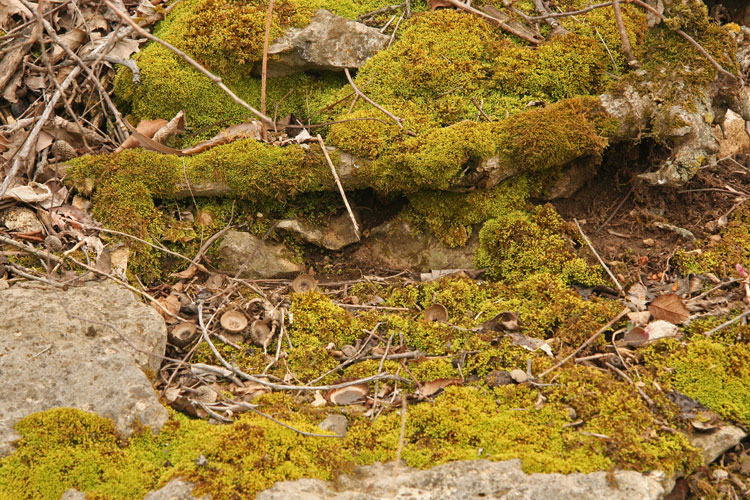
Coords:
pixel 669 307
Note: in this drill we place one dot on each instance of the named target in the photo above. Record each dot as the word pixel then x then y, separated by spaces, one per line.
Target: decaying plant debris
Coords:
pixel 594 334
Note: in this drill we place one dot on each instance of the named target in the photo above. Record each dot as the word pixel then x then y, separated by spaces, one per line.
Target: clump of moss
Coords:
pixel 715 374
pixel 520 244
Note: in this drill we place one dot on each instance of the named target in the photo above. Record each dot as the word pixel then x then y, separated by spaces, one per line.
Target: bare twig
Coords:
pixel 217 80
pixel 591 247
pixel 402 431
pixel 338 183
pixel 360 94
pixel 264 64
pixel 727 323
pixel 603 329
pixel 282 387
pixel 626 48
pixel 504 26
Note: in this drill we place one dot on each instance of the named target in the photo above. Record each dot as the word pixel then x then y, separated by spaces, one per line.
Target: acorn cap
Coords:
pixel 348 395
pixel 183 334
pixel 304 283
pixel 436 312
pixel 233 321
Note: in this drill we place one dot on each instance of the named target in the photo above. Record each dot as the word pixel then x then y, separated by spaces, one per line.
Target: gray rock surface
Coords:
pixel 397 245
pixel 337 424
pixel 471 480
pixel 21 220
pixel 329 42
pixel 714 444
pixel 176 489
pixel 48 360
pixel 335 234
pixel 256 258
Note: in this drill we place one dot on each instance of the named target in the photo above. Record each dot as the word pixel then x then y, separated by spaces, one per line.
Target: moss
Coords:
pixel 449 216
pixel 716 375
pixel 519 244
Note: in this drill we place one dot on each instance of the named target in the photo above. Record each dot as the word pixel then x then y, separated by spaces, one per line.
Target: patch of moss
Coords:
pixel 715 374
pixel 520 244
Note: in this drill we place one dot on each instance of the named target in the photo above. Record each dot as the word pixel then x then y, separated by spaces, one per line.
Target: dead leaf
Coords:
pixel 33 192
pixel 636 337
pixel 661 329
pixel 531 343
pixel 436 386
pixel 669 307
pixel 146 128
pixel 172 304
pixel 175 126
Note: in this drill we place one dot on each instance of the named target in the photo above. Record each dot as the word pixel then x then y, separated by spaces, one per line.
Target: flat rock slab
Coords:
pixel 50 360
pixel 470 480
pixel 251 257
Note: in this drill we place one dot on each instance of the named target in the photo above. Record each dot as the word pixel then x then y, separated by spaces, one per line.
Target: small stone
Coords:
pixel 649 242
pixel 719 474
pixel 336 423
pixel 519 376
pixel 21 220
pixel 715 237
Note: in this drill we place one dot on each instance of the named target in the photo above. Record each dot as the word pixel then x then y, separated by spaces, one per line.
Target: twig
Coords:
pixel 282 387
pixel 217 80
pixel 689 39
pixel 626 48
pixel 264 65
pixel 625 377
pixel 380 370
pixel 359 93
pixel 552 15
pixel 557 28
pixel 586 239
pixel 727 323
pixel 474 101
pixel 614 320
pixel 500 23
pixel 402 432
pixel 617 209
pixel 338 181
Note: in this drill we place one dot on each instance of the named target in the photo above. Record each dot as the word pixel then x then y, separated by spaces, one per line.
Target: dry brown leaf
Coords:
pixel 146 128
pixel 175 126
pixel 433 387
pixel 635 337
pixel 669 307
pixel 10 8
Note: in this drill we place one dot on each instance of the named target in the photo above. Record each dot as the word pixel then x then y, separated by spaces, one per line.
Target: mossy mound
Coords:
pixel 519 244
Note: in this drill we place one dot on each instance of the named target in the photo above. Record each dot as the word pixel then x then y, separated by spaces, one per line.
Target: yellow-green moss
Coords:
pixel 715 374
pixel 519 244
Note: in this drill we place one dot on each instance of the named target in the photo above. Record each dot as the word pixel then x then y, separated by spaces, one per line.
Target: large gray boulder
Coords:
pixel 49 359
pixel 471 480
pixel 329 42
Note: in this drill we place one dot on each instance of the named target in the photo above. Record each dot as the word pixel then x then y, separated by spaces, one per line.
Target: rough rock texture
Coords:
pixel 470 480
pixel 714 444
pixel 335 235
pixel 244 252
pixel 48 360
pixel 731 135
pixel 176 489
pixel 329 42
pixel 21 220
pixel 397 245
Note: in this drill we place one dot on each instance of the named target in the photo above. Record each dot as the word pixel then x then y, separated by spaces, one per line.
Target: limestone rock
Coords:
pixel 732 137
pixel 397 245
pixel 337 233
pixel 255 258
pixel 714 444
pixel 50 360
pixel 471 480
pixel 329 42
pixel 335 423
pixel 21 220
pixel 176 489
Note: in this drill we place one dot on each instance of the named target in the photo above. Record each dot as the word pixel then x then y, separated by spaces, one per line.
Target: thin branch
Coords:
pixel 338 183
pixel 727 323
pixel 591 247
pixel 626 48
pixel 217 80
pixel 264 64
pixel 603 329
pixel 359 93
pixel 504 26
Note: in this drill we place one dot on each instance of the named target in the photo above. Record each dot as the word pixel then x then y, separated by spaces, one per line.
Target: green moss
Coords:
pixel 715 374
pixel 519 244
